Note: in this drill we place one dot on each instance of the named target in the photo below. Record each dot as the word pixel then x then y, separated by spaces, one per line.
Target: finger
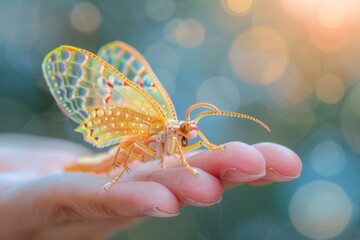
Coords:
pixel 76 198
pixel 237 163
pixel 282 164
pixel 45 154
pixel 201 190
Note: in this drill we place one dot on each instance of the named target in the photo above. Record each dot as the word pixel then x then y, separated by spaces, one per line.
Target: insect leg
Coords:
pixel 108 185
pixel 145 149
pixel 182 156
pixel 209 145
pixel 205 142
pixel 131 154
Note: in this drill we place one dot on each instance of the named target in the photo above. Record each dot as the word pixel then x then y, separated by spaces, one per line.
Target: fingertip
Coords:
pixel 282 164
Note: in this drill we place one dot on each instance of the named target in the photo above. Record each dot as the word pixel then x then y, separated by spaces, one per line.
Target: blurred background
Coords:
pixel 293 64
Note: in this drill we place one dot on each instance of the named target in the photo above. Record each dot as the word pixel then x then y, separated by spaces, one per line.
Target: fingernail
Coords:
pixel 274 175
pixel 234 175
pixel 192 202
pixel 158 212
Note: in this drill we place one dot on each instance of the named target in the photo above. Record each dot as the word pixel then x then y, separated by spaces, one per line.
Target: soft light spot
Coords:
pixel 320 210
pixel 327 158
pixel 332 14
pixel 219 91
pixel 85 17
pixel 189 33
pixel 170 30
pixel 259 56
pixel 168 59
pixel 160 10
pixel 237 7
pixel 329 88
pixel 20 24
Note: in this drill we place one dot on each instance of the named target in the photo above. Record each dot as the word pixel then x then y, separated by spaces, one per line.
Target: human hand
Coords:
pixel 39 201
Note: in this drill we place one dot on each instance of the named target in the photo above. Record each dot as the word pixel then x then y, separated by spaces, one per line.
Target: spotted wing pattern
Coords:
pixel 111 124
pixel 133 65
pixel 81 82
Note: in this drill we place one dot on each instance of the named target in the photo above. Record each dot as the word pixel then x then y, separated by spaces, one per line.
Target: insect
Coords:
pixel 117 99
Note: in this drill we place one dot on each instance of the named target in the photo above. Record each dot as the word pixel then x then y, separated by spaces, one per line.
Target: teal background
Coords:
pixel 296 73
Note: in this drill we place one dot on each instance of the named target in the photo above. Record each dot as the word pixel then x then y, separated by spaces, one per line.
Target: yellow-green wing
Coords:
pixel 133 65
pixel 108 125
pixel 80 81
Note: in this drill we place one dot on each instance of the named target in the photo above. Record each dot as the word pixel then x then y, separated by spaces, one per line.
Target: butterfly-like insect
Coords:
pixel 117 99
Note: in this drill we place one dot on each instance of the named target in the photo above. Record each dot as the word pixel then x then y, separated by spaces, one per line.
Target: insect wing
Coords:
pixel 80 81
pixel 108 125
pixel 133 65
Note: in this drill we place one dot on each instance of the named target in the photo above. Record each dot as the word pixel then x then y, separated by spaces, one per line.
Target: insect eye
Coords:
pixel 185 128
pixel 184 142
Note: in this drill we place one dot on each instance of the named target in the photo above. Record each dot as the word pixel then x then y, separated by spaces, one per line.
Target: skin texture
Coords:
pixel 39 201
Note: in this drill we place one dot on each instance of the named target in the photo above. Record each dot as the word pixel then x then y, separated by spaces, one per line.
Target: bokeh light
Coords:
pixel 160 10
pixel 291 63
pixel 320 210
pixel 219 91
pixel 25 17
pixel 189 33
pixel 329 88
pixel 332 14
pixel 168 59
pixel 170 29
pixel 350 118
pixel 167 79
pixel 85 17
pixel 328 158
pixel 259 56
pixel 290 89
pixel 237 7
pixel 328 24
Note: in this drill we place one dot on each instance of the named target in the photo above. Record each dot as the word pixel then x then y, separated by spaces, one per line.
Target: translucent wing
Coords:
pixel 134 66
pixel 80 82
pixel 108 125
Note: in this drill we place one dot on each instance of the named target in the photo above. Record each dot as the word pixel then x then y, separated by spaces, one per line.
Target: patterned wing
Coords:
pixel 134 66
pixel 111 124
pixel 81 82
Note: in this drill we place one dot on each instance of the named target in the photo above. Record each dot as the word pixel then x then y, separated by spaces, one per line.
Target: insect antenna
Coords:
pixel 199 105
pixel 230 114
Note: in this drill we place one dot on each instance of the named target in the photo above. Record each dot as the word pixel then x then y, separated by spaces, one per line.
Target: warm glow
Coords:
pixel 189 33
pixel 332 14
pixel 85 17
pixel 259 56
pixel 329 88
pixel 328 24
pixel 320 210
pixel 238 6
pixel 291 89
